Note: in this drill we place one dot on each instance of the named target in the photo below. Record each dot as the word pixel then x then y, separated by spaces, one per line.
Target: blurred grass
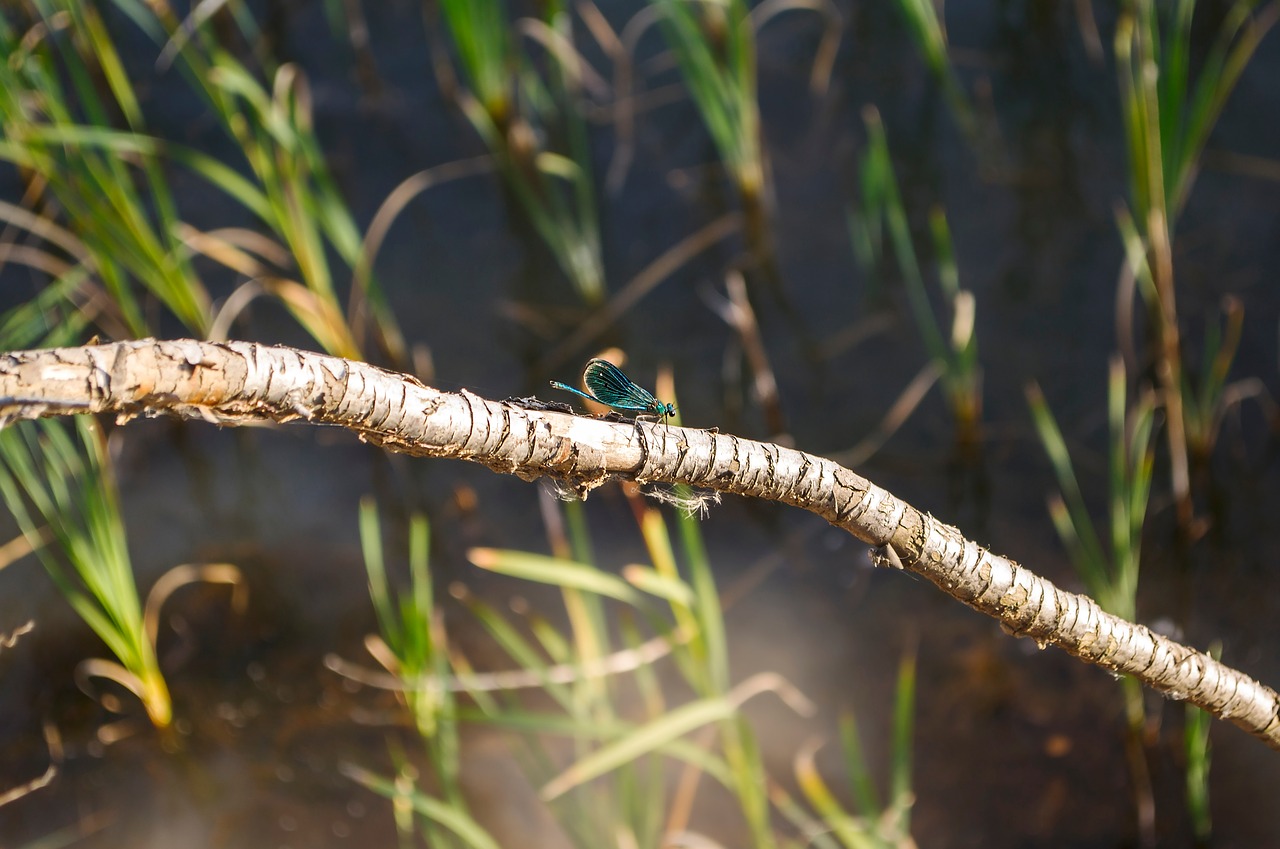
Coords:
pixel 714 44
pixel 533 126
pixel 625 748
pixel 875 825
pixel 715 49
pixel 114 236
pixel 1169 112
pixel 110 188
pixel 1168 115
pixel 1197 751
pixel 881 217
pixel 610 715
pixel 929 34
pixel 1108 563
pixel 408 646
pixel 412 645
pixel 1109 569
pixel 75 125
pixel 52 484
pixel 1209 396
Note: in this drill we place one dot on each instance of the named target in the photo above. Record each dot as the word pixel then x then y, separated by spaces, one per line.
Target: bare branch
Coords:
pixel 240 383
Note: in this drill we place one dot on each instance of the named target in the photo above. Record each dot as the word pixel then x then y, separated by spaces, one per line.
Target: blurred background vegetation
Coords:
pixel 1013 261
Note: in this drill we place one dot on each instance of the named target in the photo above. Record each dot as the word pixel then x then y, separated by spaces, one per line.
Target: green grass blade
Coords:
pixel 900 784
pixel 419 551
pixel 48 320
pixel 519 648
pixel 882 199
pixel 70 486
pixel 1118 463
pixel 1091 560
pixel 864 789
pixel 456 820
pixel 710 615
pixel 669 589
pixel 554 571
pixel 644 740
pixel 852 832
pixel 375 568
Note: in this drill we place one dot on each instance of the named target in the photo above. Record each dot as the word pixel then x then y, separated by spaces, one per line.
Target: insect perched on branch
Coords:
pixel 606 384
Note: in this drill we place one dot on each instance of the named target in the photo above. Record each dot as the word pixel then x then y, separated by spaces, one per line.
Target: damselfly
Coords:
pixel 606 384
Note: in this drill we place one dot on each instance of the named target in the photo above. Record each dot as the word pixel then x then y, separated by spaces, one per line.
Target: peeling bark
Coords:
pixel 238 383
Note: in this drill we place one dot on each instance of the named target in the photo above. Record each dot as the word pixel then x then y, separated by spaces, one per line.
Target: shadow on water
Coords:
pixel 1014 746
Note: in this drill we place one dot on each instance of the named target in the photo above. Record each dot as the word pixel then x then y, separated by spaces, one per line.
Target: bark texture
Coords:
pixel 238 382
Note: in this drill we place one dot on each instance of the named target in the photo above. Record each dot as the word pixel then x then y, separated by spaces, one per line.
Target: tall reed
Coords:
pixel 1168 116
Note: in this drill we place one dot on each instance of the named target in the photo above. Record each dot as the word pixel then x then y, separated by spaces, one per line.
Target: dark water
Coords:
pixel 1014 747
